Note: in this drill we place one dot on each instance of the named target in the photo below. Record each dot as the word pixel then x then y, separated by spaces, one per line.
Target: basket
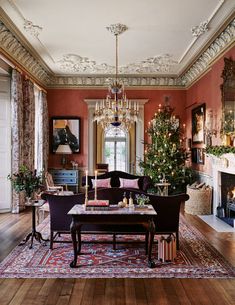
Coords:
pixel 199 202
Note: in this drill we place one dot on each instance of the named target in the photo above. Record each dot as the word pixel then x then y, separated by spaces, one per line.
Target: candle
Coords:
pixel 86 188
pixel 95 185
pixel 86 177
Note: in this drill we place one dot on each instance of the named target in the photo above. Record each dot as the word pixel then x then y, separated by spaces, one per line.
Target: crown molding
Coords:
pixel 218 46
pixel 11 46
pixel 101 81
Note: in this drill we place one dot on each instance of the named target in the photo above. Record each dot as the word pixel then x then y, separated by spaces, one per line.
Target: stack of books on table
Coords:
pixel 97 205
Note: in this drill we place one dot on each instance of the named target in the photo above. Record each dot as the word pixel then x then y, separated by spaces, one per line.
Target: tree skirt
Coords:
pixel 196 259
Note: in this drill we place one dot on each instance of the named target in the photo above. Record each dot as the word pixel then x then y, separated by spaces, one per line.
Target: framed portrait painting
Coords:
pixel 65 134
pixel 198 124
pixel 200 156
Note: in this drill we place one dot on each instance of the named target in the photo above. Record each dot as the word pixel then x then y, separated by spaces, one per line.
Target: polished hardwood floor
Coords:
pixel 13 229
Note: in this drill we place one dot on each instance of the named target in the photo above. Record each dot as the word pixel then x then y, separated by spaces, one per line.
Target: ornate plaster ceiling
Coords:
pixel 163 37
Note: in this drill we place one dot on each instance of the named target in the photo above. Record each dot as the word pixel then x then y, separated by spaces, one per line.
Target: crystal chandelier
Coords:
pixel 116 109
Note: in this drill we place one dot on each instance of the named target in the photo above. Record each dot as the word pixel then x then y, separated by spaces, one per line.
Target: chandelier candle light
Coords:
pixel 116 109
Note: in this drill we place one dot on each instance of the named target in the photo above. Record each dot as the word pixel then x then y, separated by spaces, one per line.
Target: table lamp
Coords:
pixel 64 149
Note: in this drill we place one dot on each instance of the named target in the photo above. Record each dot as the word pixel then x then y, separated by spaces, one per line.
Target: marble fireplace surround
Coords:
pixel 224 164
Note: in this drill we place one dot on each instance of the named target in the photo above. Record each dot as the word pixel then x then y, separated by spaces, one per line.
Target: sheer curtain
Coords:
pixel 41 131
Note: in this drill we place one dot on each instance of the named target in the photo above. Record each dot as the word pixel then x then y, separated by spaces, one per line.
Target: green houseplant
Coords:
pixel 26 180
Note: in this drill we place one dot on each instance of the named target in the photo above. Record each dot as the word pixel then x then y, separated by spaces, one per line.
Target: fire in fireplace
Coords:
pixel 227 209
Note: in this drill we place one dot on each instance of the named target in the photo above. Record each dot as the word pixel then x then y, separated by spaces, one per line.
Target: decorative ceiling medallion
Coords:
pixel 33 29
pixel 117 28
pixel 198 30
pixel 78 64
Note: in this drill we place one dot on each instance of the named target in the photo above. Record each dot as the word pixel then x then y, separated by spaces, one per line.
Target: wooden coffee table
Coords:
pixel 113 215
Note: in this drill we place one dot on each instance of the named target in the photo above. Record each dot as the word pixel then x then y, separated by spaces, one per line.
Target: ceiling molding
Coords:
pixel 218 46
pixel 22 40
pixel 14 44
pixel 101 81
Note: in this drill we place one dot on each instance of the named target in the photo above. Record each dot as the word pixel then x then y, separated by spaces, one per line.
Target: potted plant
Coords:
pixel 141 199
pixel 26 180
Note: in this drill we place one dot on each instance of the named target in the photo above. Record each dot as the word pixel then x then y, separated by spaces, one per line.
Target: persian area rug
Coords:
pixel 196 259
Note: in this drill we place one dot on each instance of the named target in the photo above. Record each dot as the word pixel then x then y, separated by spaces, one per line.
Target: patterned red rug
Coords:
pixel 196 259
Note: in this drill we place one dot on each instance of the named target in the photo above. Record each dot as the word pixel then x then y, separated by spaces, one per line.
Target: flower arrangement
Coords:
pixel 141 199
pixel 25 180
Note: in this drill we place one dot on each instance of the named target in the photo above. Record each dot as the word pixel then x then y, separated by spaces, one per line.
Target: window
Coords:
pixel 115 148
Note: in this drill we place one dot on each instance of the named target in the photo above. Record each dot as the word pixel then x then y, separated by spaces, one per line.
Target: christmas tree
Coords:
pixel 165 155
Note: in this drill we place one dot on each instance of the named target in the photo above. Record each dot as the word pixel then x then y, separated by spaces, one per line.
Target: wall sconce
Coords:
pixel 211 128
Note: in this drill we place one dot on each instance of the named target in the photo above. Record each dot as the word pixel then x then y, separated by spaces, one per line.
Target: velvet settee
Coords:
pixel 144 182
pixel 167 208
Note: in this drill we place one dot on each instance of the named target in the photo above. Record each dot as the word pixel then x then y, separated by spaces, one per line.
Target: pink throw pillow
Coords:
pixel 101 182
pixel 129 183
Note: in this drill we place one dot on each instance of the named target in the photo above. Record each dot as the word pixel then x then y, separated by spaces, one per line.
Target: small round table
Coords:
pixel 34 234
pixel 162 188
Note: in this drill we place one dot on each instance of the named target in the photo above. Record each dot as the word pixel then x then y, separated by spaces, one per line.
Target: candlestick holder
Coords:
pixel 95 193
pixel 86 194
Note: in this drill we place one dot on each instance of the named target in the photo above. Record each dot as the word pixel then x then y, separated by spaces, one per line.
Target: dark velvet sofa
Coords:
pixel 144 182
pixel 167 208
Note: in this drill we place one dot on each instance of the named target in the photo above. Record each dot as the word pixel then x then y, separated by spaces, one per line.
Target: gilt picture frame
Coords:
pixel 198 124
pixel 66 130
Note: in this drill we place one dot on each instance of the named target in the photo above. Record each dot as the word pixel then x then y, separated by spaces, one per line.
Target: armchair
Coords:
pixel 51 186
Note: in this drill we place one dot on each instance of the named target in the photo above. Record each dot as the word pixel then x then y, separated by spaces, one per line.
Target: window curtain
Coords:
pixel 23 116
pixel 17 133
pixel 28 123
pixel 43 133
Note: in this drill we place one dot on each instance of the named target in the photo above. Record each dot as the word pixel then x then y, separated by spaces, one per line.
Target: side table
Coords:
pixel 162 188
pixel 34 234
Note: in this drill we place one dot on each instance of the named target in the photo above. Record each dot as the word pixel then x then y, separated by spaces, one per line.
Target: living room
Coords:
pixel 165 60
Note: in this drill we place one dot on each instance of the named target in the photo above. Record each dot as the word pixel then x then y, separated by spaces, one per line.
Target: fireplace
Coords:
pixel 224 190
pixel 227 211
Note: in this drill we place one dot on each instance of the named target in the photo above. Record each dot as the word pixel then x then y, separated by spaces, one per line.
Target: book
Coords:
pixel 98 203
pixel 96 208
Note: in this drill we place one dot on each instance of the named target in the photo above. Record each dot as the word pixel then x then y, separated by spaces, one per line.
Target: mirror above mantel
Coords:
pixel 228 102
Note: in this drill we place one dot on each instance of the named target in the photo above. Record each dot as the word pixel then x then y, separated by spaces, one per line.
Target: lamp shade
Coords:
pixel 64 149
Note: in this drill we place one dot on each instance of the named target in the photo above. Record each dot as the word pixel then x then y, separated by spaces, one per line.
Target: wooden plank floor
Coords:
pixel 13 228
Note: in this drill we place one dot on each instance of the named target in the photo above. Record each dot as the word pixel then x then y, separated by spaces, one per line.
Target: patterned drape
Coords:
pixel 43 133
pixel 28 124
pixel 17 132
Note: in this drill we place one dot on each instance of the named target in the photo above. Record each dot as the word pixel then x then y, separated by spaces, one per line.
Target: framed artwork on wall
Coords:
pixel 65 134
pixel 197 155
pixel 194 155
pixel 200 156
pixel 198 124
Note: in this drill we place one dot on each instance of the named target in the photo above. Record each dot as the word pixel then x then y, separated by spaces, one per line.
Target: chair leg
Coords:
pixel 51 240
pixel 114 241
pixel 177 241
pixel 146 242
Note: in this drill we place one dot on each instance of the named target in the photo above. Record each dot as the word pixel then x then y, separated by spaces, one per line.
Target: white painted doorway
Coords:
pixel 5 144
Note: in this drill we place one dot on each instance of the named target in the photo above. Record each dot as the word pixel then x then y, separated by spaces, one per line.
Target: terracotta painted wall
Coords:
pixel 207 90
pixel 71 102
